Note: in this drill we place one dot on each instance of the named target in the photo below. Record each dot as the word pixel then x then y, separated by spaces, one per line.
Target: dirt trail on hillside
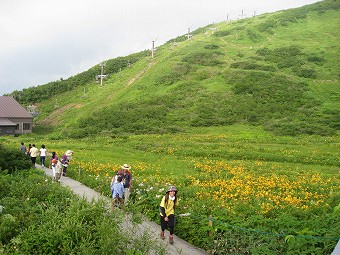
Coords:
pixel 138 75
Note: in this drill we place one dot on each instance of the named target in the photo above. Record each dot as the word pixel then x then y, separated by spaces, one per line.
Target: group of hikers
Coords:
pixel 58 166
pixel 33 152
pixel 120 185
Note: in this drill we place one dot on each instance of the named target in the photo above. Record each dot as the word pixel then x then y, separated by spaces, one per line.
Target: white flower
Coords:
pixel 184 214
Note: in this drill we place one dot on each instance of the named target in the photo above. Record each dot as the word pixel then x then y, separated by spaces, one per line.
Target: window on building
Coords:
pixel 27 126
pixel 17 127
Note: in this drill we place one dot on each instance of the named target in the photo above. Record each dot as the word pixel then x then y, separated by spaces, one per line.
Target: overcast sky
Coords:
pixel 45 40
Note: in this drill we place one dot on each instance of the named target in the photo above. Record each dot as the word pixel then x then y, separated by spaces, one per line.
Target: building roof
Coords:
pixel 6 122
pixel 10 108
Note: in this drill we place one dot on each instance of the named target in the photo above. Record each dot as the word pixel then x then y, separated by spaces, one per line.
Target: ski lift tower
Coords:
pixel 153 49
pixel 242 14
pixel 189 35
pixel 227 17
pixel 102 65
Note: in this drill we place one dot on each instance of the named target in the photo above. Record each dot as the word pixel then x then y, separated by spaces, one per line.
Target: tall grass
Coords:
pixel 280 191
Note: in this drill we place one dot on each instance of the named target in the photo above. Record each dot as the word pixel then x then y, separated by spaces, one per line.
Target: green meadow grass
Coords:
pixel 219 143
pixel 160 160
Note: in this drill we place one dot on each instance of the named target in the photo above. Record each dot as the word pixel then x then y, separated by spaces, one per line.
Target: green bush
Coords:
pixel 211 47
pixel 252 65
pixel 12 160
pixel 316 59
pixel 284 56
pixel 204 58
pixel 267 26
pixel 253 35
pixel 222 33
pixel 42 217
pixel 176 73
pixel 305 72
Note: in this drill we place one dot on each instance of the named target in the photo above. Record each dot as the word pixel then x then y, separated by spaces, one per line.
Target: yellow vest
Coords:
pixel 169 207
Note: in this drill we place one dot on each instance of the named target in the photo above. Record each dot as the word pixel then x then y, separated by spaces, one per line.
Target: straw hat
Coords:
pixel 68 153
pixel 126 166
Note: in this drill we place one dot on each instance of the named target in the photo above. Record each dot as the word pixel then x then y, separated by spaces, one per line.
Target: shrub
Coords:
pixel 267 26
pixel 211 47
pixel 316 59
pixel 253 36
pixel 284 57
pixel 204 58
pixel 247 65
pixel 287 126
pixel 52 220
pixel 12 160
pixel 222 33
pixel 305 72
pixel 177 73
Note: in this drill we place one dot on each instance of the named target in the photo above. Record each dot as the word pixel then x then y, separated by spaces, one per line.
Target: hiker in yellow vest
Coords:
pixel 167 212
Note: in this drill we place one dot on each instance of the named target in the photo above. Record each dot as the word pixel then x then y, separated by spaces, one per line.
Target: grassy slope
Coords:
pixel 192 84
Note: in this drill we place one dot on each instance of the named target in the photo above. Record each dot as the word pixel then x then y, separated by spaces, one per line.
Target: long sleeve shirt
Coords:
pixel 117 189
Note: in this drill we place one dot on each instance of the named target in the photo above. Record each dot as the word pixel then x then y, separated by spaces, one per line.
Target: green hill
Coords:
pixel 277 70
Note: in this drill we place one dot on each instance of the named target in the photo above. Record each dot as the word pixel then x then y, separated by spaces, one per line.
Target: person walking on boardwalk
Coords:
pixel 43 154
pixel 127 181
pixel 65 159
pixel 34 152
pixel 29 151
pixel 167 212
pixel 23 148
pixel 117 189
pixel 53 163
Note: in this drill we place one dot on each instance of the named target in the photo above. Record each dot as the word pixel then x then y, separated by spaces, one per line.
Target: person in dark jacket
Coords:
pixel 65 159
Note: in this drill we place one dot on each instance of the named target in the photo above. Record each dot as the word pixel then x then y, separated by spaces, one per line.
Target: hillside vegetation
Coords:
pixel 279 71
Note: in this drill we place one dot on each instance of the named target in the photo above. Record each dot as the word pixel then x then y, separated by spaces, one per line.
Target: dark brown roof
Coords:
pixel 6 122
pixel 10 108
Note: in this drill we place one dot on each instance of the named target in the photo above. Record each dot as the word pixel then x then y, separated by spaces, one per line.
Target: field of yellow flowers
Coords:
pixel 283 202
pixel 241 191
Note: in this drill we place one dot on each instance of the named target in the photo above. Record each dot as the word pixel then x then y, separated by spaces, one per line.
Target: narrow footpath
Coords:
pixel 152 229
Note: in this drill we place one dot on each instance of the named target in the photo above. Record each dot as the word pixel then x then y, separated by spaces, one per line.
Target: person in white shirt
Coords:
pixel 43 153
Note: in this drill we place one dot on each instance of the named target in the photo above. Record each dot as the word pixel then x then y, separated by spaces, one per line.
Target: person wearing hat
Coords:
pixel 65 159
pixel 167 212
pixel 127 181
